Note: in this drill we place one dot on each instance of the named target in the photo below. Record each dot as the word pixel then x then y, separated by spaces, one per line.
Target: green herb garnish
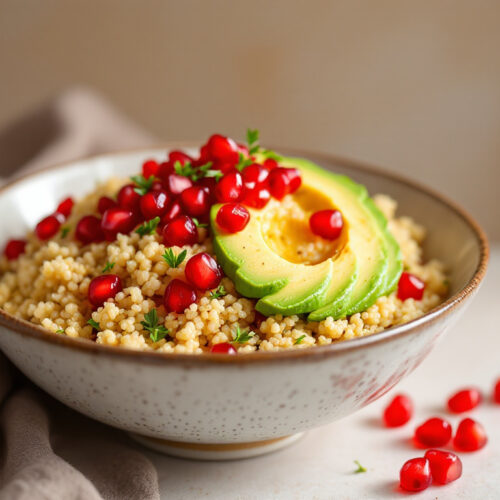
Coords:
pixel 253 141
pixel 93 324
pixel 360 468
pixel 242 336
pixel 196 173
pixel 108 267
pixel 243 162
pixel 149 227
pixel 299 340
pixel 267 153
pixel 64 231
pixel 150 323
pixel 197 223
pixel 61 330
pixel 172 259
pixel 220 292
pixel 143 184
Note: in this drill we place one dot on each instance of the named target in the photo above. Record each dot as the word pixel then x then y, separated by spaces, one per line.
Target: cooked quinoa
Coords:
pixel 48 286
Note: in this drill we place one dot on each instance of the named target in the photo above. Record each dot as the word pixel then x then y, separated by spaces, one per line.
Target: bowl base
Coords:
pixel 211 451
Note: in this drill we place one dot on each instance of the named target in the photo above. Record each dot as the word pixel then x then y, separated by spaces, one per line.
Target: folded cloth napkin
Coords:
pixel 47 450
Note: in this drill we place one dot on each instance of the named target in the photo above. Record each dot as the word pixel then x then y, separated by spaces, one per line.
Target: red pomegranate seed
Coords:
pixel 254 175
pixel 232 217
pixel 89 230
pixel 203 272
pixel 150 168
pixel 195 201
pixel 415 475
pixel 117 220
pixel 229 188
pixel 154 204
pixel 399 411
pixel 223 149
pixel 165 169
pixel 223 348
pixel 14 249
pixel 176 184
pixel 128 198
pixel 327 223
pixel 470 436
pixel 445 466
pixel 178 296
pixel 279 183
pixel 496 392
pixel 64 208
pixel 173 210
pixel 242 149
pixel 49 226
pixel 464 400
pixel 180 231
pixel 179 156
pixel 294 177
pixel 104 203
pixel 204 155
pixel 207 182
pixel 433 432
pixel 103 288
pixel 410 287
pixel 256 198
pixel 270 163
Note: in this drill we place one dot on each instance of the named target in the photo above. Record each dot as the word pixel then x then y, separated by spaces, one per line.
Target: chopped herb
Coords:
pixel 242 336
pixel 143 184
pixel 150 323
pixel 196 173
pixel 108 267
pixel 299 340
pixel 267 153
pixel 243 162
pixel 253 141
pixel 214 173
pixel 149 227
pixel 64 231
pixel 220 292
pixel 197 223
pixel 93 324
pixel 61 330
pixel 360 468
pixel 172 259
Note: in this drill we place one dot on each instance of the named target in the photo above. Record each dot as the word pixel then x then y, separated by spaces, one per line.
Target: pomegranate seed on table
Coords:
pixel 195 201
pixel 232 217
pixel 415 475
pixel 399 411
pixel 180 231
pixel 229 188
pixel 327 223
pixel 154 204
pixel 14 249
pixel 176 184
pixel 178 296
pixel 117 220
pixel 104 203
pixel 256 198
pixel 433 432
pixel 464 400
pixel 254 175
pixel 470 436
pixel 223 149
pixel 64 208
pixel 49 226
pixel 173 210
pixel 410 287
pixel 445 466
pixel 150 168
pixel 89 230
pixel 203 272
pixel 223 348
pixel 129 198
pixel 496 392
pixel 103 288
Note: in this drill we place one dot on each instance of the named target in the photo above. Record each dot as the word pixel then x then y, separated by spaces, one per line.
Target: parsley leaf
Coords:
pixel 108 267
pixel 360 468
pixel 197 223
pixel 64 231
pixel 299 340
pixel 93 324
pixel 143 184
pixel 220 292
pixel 61 330
pixel 242 336
pixel 243 162
pixel 253 141
pixel 149 227
pixel 196 173
pixel 150 323
pixel 172 259
pixel 267 153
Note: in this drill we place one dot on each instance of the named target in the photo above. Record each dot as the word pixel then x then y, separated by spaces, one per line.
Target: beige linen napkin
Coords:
pixel 49 451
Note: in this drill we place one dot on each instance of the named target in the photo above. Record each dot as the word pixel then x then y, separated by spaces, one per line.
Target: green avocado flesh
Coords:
pixel 366 265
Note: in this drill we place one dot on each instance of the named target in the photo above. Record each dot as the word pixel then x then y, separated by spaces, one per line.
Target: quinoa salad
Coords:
pixel 236 250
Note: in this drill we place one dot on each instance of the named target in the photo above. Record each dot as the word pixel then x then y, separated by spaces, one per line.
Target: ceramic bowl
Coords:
pixel 218 406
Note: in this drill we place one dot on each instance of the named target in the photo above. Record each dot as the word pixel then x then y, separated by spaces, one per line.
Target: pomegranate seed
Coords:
pixel 242 149
pixel 223 149
pixel 204 155
pixel 207 182
pixel 64 208
pixel 470 435
pixel 49 226
pixel 294 177
pixel 154 204
pixel 179 156
pixel 14 249
pixel 445 466
pixel 195 200
pixel 223 348
pixel 173 210
pixel 176 184
pixel 279 183
pixel 327 223
pixel 496 392
pixel 433 432
pixel 464 400
pixel 224 167
pixel 89 230
pixel 104 203
pixel 180 231
pixel 150 168
pixel 128 198
pixel 178 296
pixel 232 217
pixel 399 411
pixel 103 288
pixel 117 220
pixel 256 198
pixel 229 188
pixel 203 272
pixel 259 318
pixel 270 163
pixel 410 287
pixel 415 475
pixel 165 169
pixel 254 175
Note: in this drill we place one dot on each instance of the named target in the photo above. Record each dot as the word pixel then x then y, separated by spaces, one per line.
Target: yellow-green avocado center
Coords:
pixel 277 259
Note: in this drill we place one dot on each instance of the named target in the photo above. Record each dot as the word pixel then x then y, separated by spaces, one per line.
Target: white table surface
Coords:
pixel 320 466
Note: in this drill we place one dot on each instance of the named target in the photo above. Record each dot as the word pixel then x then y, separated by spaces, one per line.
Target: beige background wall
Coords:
pixel 411 85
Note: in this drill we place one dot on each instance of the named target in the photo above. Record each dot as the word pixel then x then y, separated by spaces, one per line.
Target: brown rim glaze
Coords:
pixel 28 329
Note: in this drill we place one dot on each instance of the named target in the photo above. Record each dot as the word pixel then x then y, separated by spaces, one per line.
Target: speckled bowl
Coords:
pixel 217 406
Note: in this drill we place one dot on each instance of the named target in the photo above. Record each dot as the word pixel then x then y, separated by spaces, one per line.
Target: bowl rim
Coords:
pixel 28 329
